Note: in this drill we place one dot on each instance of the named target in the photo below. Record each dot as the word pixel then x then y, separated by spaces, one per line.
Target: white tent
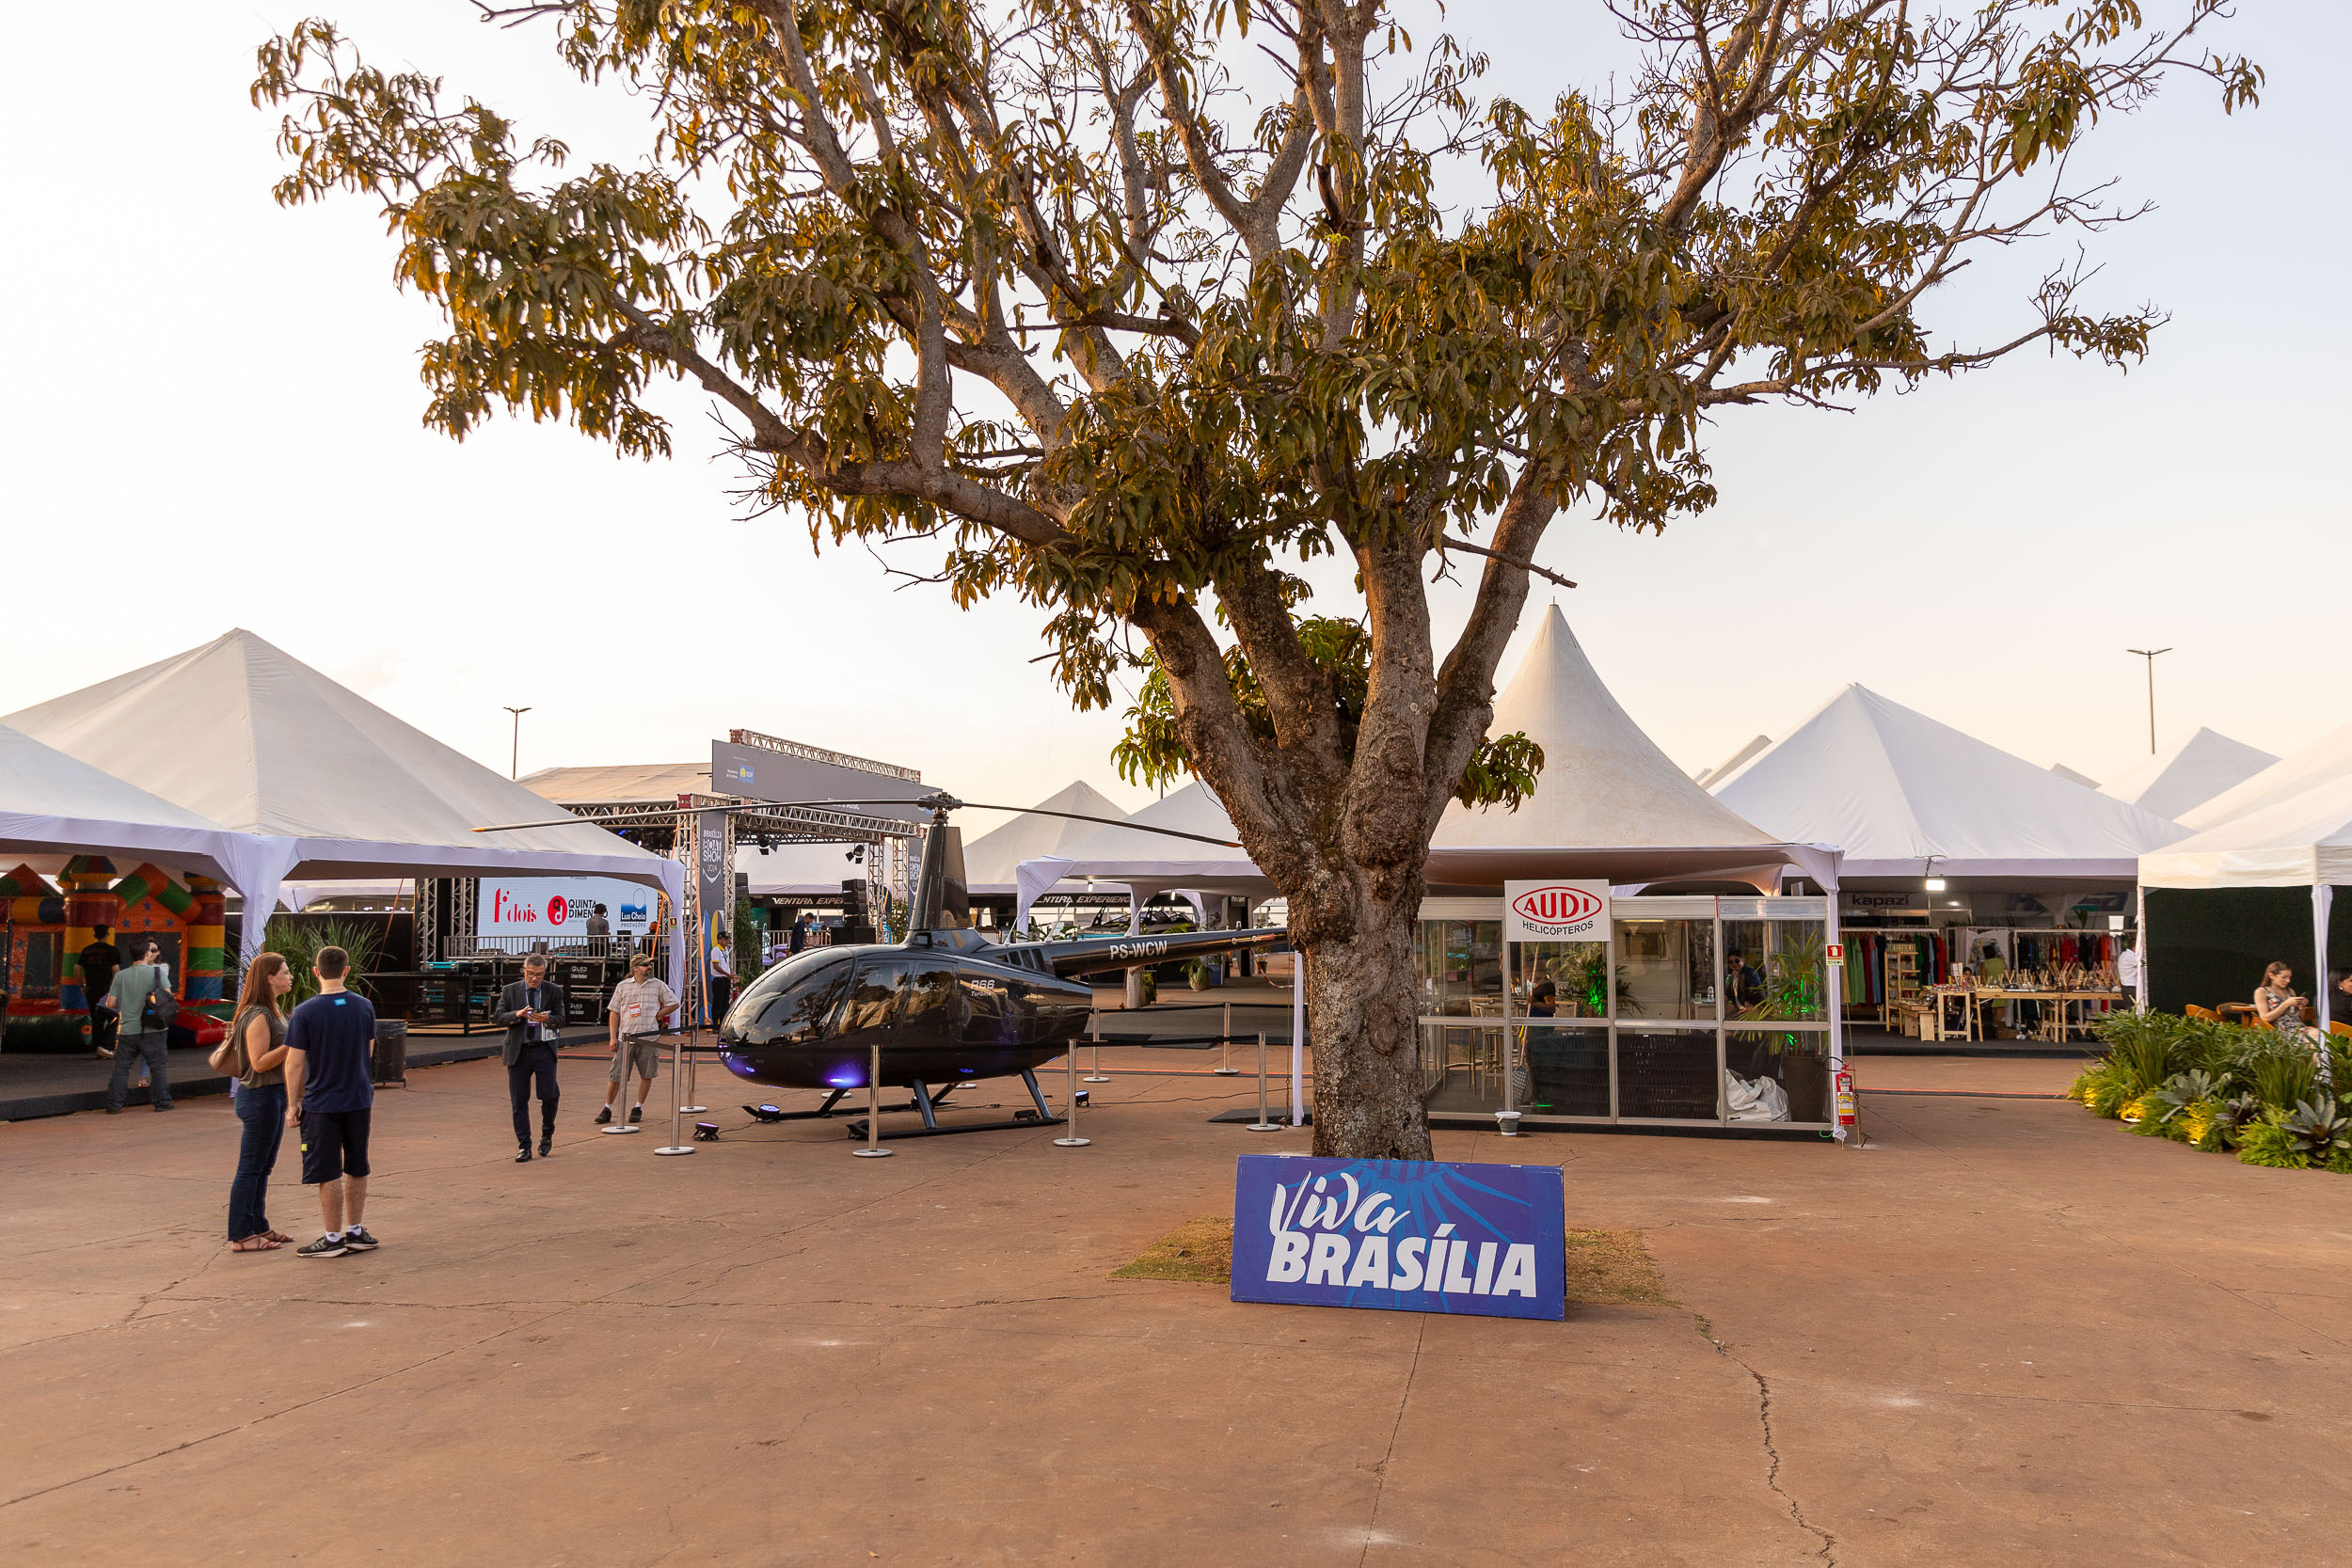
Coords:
pixel 2070 776
pixel 1145 864
pixel 1901 793
pixel 2183 777
pixel 53 803
pixel 1607 804
pixel 2302 841
pixel 242 733
pixel 2323 761
pixel 992 861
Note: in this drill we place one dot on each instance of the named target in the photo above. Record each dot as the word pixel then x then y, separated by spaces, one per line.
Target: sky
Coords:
pixel 213 420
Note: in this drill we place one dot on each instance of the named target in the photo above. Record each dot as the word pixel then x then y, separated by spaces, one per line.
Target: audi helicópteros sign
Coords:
pixel 1560 910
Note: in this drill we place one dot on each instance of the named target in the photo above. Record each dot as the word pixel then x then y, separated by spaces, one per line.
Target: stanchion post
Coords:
pixel 677 1144
pixel 1069 1113
pixel 691 1110
pixel 1225 1067
pixel 620 1101
pixel 1095 1034
pixel 1262 1125
pixel 873 1149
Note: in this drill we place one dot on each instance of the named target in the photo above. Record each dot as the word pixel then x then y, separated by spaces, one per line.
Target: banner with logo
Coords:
pixel 714 881
pixel 559 906
pixel 1574 909
pixel 1400 1236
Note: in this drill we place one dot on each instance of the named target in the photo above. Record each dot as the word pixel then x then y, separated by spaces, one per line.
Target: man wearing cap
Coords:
pixel 529 1007
pixel 641 1008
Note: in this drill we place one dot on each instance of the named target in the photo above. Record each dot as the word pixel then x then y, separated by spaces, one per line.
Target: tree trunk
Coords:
pixel 1368 1097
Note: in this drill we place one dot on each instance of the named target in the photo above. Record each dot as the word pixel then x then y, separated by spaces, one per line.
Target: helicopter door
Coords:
pixel 930 1006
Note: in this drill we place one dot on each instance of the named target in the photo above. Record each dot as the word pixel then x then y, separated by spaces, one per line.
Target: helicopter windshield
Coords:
pixel 795 1003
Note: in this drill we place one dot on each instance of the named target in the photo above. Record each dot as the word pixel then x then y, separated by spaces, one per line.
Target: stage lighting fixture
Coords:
pixel 706 1131
pixel 765 1113
pixel 1082 1096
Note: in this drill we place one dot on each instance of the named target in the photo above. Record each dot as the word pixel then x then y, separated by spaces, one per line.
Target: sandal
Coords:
pixel 280 1237
pixel 254 1244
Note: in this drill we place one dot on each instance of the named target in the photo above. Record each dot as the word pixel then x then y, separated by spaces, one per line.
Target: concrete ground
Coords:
pixel 2006 1332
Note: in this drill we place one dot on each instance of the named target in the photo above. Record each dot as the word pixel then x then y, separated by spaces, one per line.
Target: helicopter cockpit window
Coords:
pixel 927 997
pixel 794 1003
pixel 870 997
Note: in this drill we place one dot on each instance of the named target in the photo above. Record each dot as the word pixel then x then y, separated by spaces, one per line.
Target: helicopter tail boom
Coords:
pixel 1072 959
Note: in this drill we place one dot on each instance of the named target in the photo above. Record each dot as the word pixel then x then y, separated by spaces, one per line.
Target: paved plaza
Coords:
pixel 2006 1332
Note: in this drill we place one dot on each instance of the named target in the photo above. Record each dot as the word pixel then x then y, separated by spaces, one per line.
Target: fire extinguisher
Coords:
pixel 1844 1082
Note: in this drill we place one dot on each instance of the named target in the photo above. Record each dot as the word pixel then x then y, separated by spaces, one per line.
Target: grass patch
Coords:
pixel 1198 1252
pixel 1606 1268
pixel 1612 1268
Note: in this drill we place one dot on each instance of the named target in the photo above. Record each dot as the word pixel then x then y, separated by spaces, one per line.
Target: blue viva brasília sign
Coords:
pixel 1401 1235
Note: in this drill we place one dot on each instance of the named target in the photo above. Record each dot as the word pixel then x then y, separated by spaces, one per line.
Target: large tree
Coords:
pixel 1140 304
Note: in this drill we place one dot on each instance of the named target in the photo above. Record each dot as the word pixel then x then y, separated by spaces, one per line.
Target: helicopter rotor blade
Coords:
pixel 1108 822
pixel 671 814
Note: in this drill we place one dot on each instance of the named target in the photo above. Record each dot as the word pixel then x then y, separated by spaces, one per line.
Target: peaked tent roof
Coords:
pixel 2302 841
pixel 1894 789
pixel 1604 781
pixel 53 802
pixel 1752 745
pixel 992 861
pixel 1608 803
pixel 2328 758
pixel 241 732
pixel 2185 776
pixel 2083 779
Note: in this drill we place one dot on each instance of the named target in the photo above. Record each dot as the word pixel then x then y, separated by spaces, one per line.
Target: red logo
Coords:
pixel 557 910
pixel 1556 906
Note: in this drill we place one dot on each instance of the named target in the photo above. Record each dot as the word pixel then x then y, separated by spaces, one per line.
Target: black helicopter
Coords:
pixel 947 1005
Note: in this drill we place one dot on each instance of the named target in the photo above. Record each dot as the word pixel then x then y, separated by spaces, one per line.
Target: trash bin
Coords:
pixel 392 1054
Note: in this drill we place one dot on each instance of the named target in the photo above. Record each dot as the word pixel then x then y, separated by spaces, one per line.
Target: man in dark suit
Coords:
pixel 531 1008
pixel 99 963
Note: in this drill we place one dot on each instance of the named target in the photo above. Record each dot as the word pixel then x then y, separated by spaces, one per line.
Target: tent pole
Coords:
pixel 2323 898
pixel 1299 1035
pixel 2146 982
pixel 1835 980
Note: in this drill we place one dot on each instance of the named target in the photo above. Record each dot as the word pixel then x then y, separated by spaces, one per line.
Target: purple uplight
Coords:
pixel 846 1080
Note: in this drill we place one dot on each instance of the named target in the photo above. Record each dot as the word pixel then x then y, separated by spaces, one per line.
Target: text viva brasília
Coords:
pixel 1346 1237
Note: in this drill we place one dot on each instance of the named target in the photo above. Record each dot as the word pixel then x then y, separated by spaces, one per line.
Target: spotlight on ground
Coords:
pixel 763 1113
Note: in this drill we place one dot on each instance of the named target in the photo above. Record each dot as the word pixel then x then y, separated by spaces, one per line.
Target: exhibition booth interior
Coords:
pixel 1962 865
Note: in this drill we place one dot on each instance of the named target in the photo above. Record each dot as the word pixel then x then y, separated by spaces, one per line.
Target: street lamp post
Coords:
pixel 513 763
pixel 2150 655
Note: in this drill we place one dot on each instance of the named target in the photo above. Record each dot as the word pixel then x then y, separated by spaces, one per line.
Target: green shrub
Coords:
pixel 2145 1048
pixel 2266 1143
pixel 2281 1073
pixel 2105 1089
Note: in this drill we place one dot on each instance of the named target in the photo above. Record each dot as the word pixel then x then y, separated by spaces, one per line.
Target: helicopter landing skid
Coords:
pixel 927 1103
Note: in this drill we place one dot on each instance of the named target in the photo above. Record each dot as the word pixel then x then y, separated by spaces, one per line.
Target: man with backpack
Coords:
pixel 141 1003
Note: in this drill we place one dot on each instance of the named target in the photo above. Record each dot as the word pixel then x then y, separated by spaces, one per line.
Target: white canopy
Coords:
pixel 1145 864
pixel 2184 776
pixel 1898 791
pixel 242 733
pixel 992 861
pixel 2302 841
pixel 1608 804
pixel 52 803
pixel 2323 761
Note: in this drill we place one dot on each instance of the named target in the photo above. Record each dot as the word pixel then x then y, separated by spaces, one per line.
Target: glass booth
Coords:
pixel 1682 1011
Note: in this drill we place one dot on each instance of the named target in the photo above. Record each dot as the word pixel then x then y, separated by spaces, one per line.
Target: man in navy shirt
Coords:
pixel 331 1090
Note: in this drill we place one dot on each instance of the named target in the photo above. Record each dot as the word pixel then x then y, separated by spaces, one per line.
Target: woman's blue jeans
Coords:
pixel 263 1112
